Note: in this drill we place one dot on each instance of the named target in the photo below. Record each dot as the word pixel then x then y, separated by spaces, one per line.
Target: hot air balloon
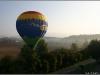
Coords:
pixel 31 26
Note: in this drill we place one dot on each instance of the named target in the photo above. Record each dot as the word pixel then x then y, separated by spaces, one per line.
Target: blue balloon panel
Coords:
pixel 30 28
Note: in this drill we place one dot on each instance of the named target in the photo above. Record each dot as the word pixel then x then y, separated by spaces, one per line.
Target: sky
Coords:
pixel 65 18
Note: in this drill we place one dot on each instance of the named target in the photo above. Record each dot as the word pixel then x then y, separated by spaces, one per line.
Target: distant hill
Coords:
pixel 54 42
pixel 80 40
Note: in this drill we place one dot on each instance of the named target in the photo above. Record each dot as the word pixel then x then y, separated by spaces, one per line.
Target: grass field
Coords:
pixel 9 50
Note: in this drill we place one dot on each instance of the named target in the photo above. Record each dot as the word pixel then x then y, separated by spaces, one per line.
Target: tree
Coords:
pixel 94 49
pixel 27 57
pixel 59 60
pixel 42 47
pixel 5 65
pixel 45 66
pixel 52 61
pixel 74 47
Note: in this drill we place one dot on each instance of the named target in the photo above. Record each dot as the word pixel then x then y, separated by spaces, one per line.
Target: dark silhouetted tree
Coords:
pixel 94 49
pixel 6 65
pixel 74 47
pixel 42 47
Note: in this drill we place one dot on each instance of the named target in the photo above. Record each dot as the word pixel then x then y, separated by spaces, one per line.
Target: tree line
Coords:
pixel 41 61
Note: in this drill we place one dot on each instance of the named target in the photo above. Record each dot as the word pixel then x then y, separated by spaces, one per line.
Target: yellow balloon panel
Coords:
pixel 32 16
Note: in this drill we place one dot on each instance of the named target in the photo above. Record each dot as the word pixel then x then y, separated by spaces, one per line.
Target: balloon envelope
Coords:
pixel 31 26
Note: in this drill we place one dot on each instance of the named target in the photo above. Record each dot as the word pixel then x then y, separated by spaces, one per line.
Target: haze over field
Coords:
pixel 53 42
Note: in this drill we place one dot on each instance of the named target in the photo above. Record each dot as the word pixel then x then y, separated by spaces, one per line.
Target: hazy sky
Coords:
pixel 64 17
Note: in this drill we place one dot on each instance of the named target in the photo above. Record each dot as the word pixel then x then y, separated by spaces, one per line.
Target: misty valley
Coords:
pixel 74 54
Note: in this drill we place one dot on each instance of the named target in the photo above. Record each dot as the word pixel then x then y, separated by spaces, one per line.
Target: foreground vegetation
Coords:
pixel 42 61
